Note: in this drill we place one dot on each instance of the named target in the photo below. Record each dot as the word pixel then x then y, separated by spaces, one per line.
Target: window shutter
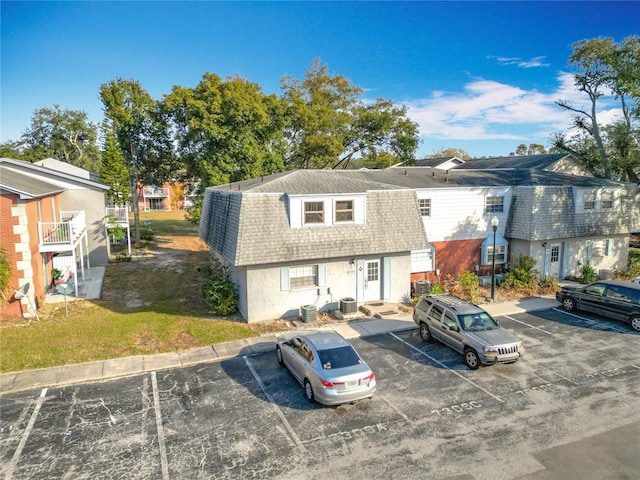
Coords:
pixel 322 275
pixel 284 279
pixel 386 278
pixel 608 246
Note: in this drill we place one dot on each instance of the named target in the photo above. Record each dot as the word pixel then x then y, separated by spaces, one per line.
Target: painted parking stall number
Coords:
pixel 458 408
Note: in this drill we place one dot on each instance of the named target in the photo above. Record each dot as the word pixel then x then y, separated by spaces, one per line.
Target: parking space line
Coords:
pixel 446 367
pixel 272 401
pixel 163 448
pixel 25 435
pixel 569 340
pixel 393 407
pixel 610 326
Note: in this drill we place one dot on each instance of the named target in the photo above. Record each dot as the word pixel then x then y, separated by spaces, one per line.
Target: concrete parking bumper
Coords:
pixel 117 367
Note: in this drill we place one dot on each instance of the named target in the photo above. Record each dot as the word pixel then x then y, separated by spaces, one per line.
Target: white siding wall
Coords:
pixel 459 213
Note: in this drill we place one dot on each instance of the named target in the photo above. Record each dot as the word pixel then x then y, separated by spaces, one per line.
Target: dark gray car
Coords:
pixel 466 328
pixel 614 299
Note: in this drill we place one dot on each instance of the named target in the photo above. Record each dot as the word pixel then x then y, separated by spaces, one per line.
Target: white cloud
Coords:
pixel 491 110
pixel 534 62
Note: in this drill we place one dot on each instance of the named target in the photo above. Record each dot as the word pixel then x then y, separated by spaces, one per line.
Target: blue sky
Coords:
pixel 481 76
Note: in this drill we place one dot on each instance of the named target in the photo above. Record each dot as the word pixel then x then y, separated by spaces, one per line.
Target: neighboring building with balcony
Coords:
pixel 50 217
pixel 170 196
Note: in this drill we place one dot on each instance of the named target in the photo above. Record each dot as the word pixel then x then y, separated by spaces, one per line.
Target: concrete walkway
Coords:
pixel 117 367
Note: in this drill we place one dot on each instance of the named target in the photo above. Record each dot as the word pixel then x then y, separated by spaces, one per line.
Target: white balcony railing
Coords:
pixel 155 192
pixel 65 232
pixel 118 214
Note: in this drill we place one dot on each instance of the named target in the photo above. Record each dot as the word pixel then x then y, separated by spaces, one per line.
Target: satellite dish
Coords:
pixel 22 291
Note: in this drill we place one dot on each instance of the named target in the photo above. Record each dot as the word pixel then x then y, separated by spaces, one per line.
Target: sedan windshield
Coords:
pixel 340 357
pixel 478 321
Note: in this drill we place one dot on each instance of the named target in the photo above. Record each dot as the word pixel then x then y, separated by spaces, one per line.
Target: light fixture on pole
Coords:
pixel 494 225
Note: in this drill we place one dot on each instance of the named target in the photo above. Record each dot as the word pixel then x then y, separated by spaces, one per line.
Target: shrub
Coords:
pixel 5 275
pixel 219 291
pixel 469 285
pixel 146 234
pixel 522 273
pixel 588 274
pixel 122 256
pixel 437 288
pixel 634 265
pixel 549 284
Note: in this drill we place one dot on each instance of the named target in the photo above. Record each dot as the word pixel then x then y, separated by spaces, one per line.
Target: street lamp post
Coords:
pixel 494 225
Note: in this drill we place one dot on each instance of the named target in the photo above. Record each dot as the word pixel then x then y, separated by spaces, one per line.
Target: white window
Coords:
pixel 494 204
pixel 589 200
pixel 424 204
pixel 305 276
pixel 422 260
pixel 555 253
pixel 344 211
pixel 313 212
pixel 501 254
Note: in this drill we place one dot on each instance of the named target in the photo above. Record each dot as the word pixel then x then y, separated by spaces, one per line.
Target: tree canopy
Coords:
pixel 329 124
pixel 63 134
pixel 142 135
pixel 602 68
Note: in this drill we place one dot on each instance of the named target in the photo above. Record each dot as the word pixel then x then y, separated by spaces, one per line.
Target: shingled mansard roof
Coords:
pixel 247 222
pixel 250 226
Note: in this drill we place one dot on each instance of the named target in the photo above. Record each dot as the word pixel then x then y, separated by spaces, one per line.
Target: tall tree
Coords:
pixel 142 135
pixel 113 170
pixel 604 67
pixel 63 134
pixel 330 125
pixel 225 130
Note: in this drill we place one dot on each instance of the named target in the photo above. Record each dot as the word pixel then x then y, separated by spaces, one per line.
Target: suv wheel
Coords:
pixel 568 304
pixel 425 334
pixel 635 323
pixel 471 359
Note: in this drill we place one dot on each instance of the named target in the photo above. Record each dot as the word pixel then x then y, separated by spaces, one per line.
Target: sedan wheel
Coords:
pixel 568 304
pixel 635 323
pixel 425 334
pixel 279 355
pixel 471 359
pixel 308 391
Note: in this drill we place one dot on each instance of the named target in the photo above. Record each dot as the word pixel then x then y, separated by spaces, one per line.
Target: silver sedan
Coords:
pixel 327 366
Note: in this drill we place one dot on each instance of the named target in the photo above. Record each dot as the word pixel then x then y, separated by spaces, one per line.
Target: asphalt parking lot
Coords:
pixel 568 409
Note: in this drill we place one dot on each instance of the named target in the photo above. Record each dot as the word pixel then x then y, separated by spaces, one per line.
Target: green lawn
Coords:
pixel 146 307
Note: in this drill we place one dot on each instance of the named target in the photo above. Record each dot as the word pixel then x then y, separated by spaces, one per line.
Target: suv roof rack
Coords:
pixel 452 301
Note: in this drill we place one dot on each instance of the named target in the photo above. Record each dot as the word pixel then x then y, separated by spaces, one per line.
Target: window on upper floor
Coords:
pixel 607 200
pixel 313 212
pixel 344 211
pixel 589 200
pixel 494 204
pixel 424 204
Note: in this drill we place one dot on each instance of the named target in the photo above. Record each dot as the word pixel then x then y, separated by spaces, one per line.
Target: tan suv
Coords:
pixel 466 328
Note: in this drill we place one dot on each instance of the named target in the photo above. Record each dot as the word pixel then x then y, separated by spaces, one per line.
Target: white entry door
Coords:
pixel 554 260
pixel 372 280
